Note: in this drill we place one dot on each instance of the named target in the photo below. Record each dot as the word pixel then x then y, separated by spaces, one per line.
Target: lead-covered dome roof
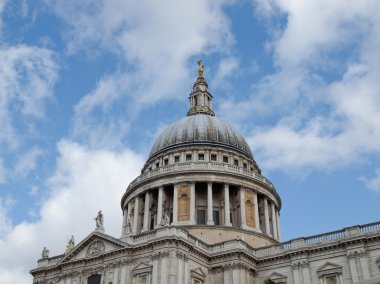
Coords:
pixel 201 129
pixel 200 126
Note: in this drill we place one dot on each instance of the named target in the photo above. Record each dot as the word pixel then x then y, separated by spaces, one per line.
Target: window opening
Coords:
pixel 201 217
pixel 215 217
pixel 94 279
pixel 201 156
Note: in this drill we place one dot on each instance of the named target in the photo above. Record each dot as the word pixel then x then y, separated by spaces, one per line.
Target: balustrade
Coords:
pixel 207 166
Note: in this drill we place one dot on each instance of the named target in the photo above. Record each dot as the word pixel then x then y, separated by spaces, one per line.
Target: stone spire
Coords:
pixel 200 98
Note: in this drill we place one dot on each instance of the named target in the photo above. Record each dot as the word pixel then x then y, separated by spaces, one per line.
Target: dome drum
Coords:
pixel 210 205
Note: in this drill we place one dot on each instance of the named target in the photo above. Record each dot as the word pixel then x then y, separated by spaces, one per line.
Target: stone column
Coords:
pixel 354 271
pixel 257 217
pixel 296 274
pixel 187 269
pixel 278 225
pixel 175 204
pixel 159 205
pixel 136 215
pixel 227 221
pixel 364 265
pixel 274 225
pixel 125 220
pixel 192 203
pixel 306 272
pixel 242 208
pixel 146 211
pixel 266 217
pixel 210 220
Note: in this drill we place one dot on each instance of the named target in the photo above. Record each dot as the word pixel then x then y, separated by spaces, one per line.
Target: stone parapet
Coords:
pixel 258 253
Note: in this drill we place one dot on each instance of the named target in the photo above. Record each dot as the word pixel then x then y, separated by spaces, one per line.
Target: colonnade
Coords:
pixel 146 211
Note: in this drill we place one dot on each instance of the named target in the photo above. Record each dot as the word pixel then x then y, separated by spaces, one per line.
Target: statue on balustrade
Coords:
pixel 165 221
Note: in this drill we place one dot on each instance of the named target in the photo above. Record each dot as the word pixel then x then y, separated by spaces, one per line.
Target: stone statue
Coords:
pixel 99 222
pixel 165 221
pixel 45 253
pixel 70 244
pixel 200 69
pixel 128 228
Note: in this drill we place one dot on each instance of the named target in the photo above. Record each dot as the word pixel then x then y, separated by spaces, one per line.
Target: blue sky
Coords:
pixel 86 86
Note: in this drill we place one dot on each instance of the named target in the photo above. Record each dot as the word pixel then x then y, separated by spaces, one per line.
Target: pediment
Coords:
pixel 93 245
pixel 142 268
pixel 329 268
pixel 198 272
pixel 276 276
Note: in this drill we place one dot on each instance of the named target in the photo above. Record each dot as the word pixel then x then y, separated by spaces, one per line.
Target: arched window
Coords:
pixel 94 279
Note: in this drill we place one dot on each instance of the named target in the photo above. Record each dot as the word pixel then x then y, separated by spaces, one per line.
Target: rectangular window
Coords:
pixel 236 162
pixel 201 157
pixel 213 157
pixel 215 217
pixel 188 157
pixel 245 165
pixel 157 165
pixel 201 217
pixel 176 159
pixel 166 162
pixel 225 159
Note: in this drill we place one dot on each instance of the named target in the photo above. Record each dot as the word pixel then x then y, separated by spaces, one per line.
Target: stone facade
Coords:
pixel 201 212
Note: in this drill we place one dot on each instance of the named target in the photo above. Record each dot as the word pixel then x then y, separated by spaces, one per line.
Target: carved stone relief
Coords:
pixel 95 248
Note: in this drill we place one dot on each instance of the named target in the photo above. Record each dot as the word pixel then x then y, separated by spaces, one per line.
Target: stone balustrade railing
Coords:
pixel 197 166
pixel 237 244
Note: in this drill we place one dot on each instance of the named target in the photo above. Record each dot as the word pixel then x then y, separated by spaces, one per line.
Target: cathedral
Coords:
pixel 201 212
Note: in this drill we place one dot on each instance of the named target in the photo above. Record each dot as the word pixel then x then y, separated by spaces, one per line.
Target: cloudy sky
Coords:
pixel 87 85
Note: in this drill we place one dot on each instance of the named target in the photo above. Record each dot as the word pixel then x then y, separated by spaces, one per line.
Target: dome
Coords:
pixel 201 129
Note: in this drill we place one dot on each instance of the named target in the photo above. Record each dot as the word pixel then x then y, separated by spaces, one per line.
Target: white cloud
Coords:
pixel 84 182
pixel 27 162
pixel 321 121
pixel 5 223
pixel 33 191
pixel 373 183
pixel 2 172
pixel 226 68
pixel 27 77
pixel 153 42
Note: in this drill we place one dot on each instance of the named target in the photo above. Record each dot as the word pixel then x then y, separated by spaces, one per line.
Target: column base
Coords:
pixel 228 224
pixel 210 222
